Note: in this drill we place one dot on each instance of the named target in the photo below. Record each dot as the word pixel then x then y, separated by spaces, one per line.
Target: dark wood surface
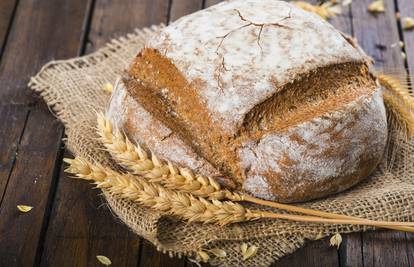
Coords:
pixel 70 223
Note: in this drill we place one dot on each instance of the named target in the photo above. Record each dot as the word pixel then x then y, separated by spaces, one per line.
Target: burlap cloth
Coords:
pixel 73 89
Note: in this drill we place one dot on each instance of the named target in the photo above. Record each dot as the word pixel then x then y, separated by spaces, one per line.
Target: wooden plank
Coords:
pixel 180 8
pixel 7 8
pixel 81 226
pixel 41 31
pixel 111 19
pixel 314 253
pixel 31 181
pixel 385 249
pixel 152 258
pixel 13 118
pixel 350 251
pixel 406 9
pixel 410 248
pixel 377 34
pixel 208 3
pixel 30 184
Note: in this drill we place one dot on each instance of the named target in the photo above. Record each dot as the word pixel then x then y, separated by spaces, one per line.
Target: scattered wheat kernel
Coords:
pixel 336 240
pixel 243 248
pixel 250 252
pixel 203 256
pixel 104 260
pixel 408 23
pixel 377 7
pixel 108 87
pixel 401 43
pixel 24 208
pixel 346 2
pixel 403 55
pixel 218 252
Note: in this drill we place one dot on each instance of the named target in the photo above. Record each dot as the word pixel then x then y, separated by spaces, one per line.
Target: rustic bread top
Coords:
pixel 241 56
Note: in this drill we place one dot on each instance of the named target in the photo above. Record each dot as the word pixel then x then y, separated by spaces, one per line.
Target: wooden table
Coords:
pixel 70 224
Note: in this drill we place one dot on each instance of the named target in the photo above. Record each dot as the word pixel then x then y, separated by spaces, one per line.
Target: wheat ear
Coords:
pixel 128 155
pixel 399 103
pixel 136 160
pixel 183 205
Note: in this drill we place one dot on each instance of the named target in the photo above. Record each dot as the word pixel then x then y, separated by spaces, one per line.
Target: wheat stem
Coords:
pixel 324 214
pixel 131 156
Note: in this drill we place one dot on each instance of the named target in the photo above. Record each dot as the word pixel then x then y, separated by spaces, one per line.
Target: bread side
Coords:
pixel 315 158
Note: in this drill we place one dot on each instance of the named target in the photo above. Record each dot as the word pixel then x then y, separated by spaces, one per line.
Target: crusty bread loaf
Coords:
pixel 268 97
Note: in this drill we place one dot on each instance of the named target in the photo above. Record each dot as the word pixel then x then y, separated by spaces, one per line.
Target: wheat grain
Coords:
pixel 335 240
pixel 377 7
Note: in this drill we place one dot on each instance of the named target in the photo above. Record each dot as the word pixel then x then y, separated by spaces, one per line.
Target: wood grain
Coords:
pixel 314 253
pixel 42 30
pixel 180 8
pixel 30 183
pixel 14 117
pixel 385 249
pixel 112 19
pixel 377 34
pixel 208 3
pixel 7 8
pixel 406 9
pixel 350 251
pixel 30 44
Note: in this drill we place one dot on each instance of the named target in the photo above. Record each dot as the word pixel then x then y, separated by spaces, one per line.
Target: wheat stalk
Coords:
pixel 399 103
pixel 184 205
pixel 128 155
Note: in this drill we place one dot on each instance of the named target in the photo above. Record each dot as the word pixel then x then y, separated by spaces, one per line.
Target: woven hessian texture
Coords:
pixel 73 90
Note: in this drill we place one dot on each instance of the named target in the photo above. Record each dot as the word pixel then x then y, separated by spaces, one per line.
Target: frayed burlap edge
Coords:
pixel 73 90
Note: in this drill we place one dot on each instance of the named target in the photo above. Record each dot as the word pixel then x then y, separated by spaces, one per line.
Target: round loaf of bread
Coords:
pixel 259 94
